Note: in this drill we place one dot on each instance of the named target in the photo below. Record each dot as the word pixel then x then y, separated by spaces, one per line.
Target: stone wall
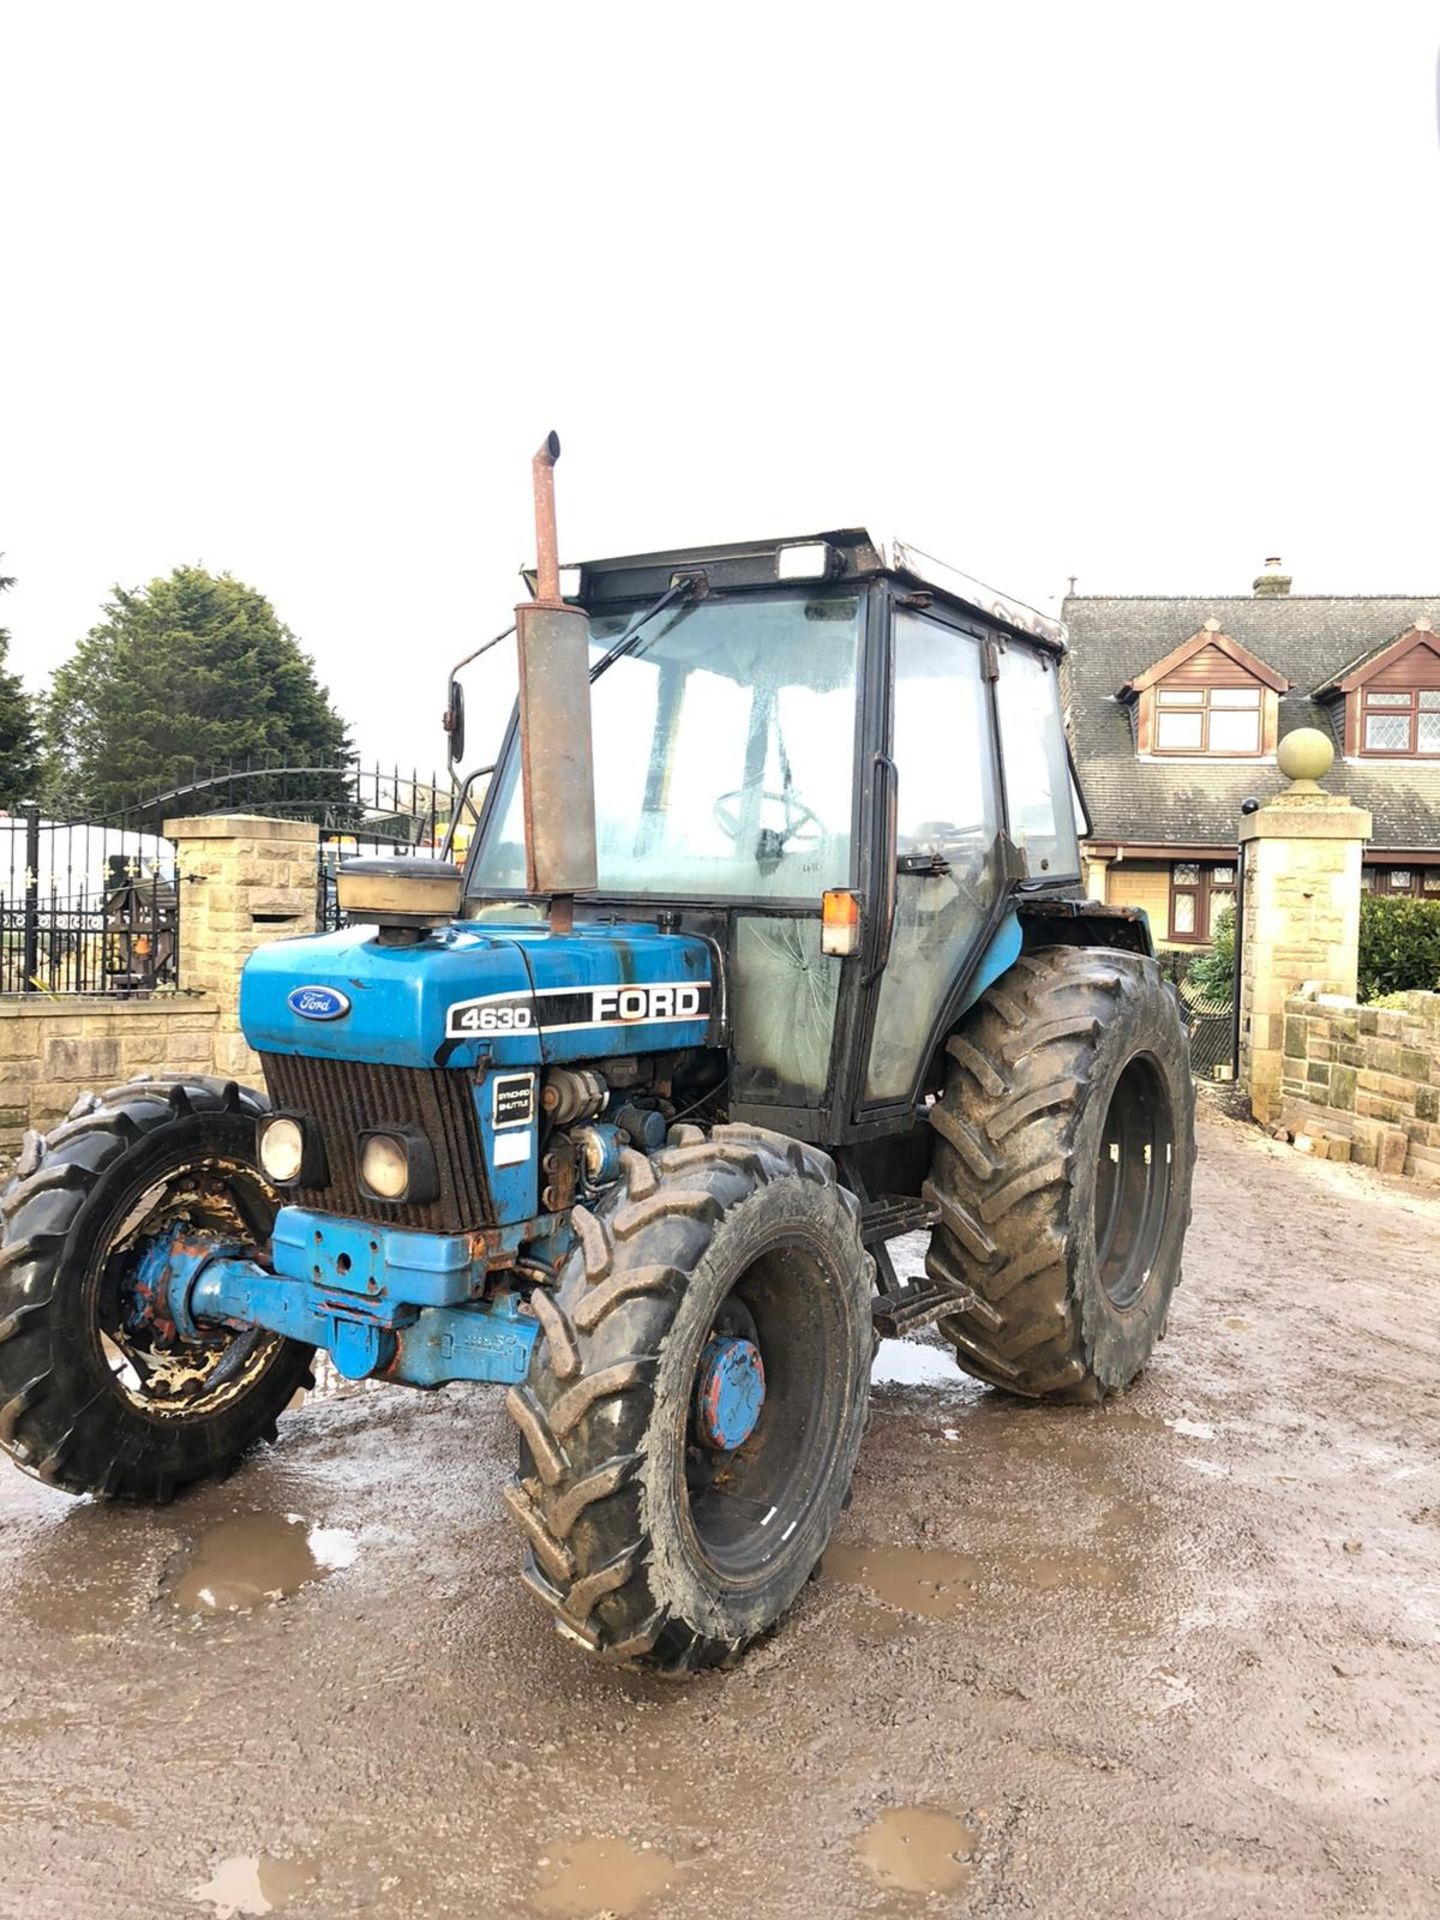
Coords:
pixel 1363 1083
pixel 248 879
pixel 54 1049
pixel 1301 921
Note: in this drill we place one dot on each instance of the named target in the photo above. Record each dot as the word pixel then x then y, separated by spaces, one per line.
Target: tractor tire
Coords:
pixel 649 1542
pixel 1063 1156
pixel 95 1398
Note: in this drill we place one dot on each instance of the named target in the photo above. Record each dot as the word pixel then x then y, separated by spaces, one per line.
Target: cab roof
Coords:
pixel 851 554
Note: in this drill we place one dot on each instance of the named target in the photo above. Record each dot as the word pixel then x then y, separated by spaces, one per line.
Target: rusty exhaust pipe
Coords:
pixel 547 547
pixel 556 755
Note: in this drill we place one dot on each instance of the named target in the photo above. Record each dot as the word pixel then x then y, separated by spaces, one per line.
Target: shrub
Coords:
pixel 1212 974
pixel 1399 945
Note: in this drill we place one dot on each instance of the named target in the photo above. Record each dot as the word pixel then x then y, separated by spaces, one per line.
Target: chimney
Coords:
pixel 1271 582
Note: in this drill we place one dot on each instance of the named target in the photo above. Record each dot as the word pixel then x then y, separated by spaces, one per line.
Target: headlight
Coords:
pixel 385 1166
pixel 282 1150
pixel 399 1165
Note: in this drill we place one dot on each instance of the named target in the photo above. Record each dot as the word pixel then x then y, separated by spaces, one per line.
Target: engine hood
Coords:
pixel 513 996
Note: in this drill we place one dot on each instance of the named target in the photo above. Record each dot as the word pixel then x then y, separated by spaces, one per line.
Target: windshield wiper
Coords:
pixel 626 643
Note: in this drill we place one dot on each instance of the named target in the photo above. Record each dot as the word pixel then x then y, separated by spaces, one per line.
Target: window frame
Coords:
pixel 1205 895
pixel 1198 700
pixel 1386 701
pixel 1378 879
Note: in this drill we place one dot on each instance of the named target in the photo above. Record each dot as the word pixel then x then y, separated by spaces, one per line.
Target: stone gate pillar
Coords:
pixel 1301 919
pixel 245 879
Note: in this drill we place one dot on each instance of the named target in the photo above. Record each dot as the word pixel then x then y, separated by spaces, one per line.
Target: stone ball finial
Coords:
pixel 1306 755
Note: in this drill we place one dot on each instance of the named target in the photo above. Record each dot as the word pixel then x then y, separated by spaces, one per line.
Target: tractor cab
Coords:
pixel 810 751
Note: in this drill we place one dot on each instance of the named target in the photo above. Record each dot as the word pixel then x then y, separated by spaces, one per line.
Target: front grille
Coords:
pixel 344 1097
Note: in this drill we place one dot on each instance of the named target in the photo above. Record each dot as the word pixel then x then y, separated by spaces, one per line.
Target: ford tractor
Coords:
pixel 768 947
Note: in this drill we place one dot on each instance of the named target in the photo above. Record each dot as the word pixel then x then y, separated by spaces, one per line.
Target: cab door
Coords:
pixel 948 842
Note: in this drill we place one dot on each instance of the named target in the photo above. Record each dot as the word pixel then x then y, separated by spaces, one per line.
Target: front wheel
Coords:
pixel 693 1411
pixel 98 1393
pixel 1064 1151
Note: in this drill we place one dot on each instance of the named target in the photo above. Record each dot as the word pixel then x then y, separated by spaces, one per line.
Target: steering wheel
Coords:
pixel 801 823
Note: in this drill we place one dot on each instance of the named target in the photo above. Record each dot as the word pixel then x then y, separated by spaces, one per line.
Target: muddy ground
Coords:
pixel 1180 1656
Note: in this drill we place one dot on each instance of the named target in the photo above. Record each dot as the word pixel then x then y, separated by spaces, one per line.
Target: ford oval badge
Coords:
pixel 318 1003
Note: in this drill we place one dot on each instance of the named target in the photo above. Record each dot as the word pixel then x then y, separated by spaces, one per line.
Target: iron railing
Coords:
pixel 86 907
pixel 93 906
pixel 390 812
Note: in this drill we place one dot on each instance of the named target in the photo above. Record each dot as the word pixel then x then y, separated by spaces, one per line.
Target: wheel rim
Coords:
pixel 1135 1178
pixel 146 1362
pixel 744 1504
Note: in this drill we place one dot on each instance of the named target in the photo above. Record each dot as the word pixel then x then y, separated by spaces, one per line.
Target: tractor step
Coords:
pixel 906 1304
pixel 892 1214
pixel 917 1304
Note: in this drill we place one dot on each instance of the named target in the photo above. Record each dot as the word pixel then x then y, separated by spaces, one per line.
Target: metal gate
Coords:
pixel 1212 1031
pixel 389 813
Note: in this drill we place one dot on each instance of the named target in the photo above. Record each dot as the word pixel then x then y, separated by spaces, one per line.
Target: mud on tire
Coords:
pixel 67 1414
pixel 637 1554
pixel 1063 1156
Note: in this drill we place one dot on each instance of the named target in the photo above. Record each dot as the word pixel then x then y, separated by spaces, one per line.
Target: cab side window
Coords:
pixel 1038 788
pixel 948 823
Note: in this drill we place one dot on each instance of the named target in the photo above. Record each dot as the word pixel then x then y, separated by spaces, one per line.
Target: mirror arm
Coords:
pixel 460 800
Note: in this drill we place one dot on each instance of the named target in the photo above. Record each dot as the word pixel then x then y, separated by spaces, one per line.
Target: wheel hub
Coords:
pixel 729 1393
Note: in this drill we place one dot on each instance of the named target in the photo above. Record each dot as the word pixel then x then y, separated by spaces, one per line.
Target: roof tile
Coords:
pixel 1308 638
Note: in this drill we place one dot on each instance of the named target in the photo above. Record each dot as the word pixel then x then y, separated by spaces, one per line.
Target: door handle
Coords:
pixel 886 776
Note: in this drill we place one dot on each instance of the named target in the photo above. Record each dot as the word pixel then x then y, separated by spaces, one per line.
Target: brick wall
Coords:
pixel 1364 1082
pixel 54 1049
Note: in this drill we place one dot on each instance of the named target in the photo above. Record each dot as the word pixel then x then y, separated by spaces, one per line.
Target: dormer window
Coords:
pixel 1210 699
pixel 1404 723
pixel 1222 720
pixel 1392 698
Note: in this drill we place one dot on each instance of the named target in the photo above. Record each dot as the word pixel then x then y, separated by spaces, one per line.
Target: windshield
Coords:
pixel 724 754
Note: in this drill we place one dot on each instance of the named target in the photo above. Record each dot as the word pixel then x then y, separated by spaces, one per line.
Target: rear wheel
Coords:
pixel 98 1393
pixel 692 1414
pixel 1064 1152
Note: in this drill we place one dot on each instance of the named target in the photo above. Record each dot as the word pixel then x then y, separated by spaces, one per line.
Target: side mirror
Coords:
pixel 454 723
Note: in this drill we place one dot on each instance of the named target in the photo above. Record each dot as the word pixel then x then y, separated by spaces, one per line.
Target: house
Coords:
pixel 1175 706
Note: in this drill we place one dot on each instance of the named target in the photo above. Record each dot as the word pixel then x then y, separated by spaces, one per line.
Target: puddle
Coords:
pixel 914 1363
pixel 1191 1429
pixel 255 1883
pixel 920 1579
pixel 256 1559
pixel 915 1849
pixel 600 1875
pixel 937 1584
pixel 1047 1573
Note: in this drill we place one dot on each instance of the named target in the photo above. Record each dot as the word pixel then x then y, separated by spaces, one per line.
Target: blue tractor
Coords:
pixel 769 946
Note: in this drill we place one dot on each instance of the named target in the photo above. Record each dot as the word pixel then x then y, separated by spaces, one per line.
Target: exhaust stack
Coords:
pixel 556 758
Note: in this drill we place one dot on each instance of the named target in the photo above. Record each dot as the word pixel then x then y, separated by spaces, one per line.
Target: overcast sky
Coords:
pixel 1138 293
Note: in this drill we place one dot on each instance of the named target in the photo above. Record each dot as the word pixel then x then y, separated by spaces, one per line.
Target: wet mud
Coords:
pixel 254 1884
pixel 1176 1658
pixel 600 1874
pixel 256 1560
pixel 917 1850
